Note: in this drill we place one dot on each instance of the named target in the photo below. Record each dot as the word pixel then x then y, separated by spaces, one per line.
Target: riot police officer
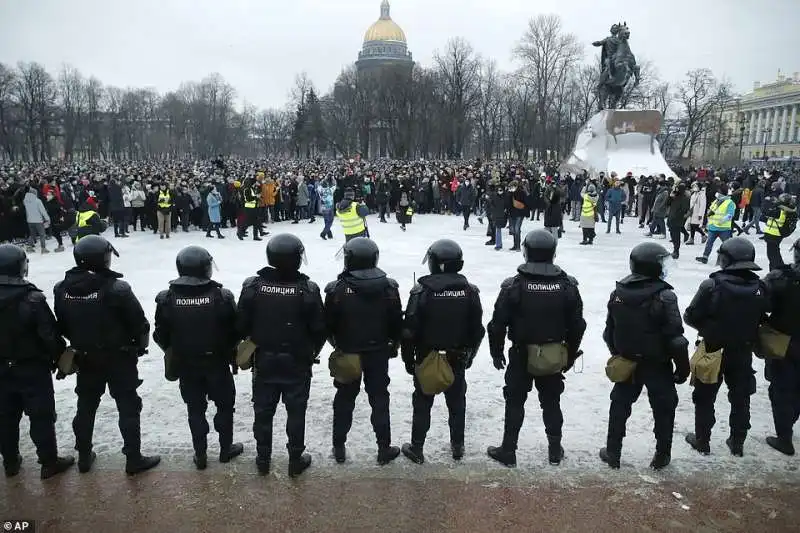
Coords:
pixel 726 312
pixel 29 347
pixel 540 306
pixel 280 311
pixel 363 316
pixel 444 313
pixel 195 325
pixel 105 324
pixel 644 326
pixel 783 287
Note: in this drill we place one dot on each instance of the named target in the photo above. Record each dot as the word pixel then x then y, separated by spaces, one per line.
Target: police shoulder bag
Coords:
pixel 705 365
pixel 435 374
pixel 772 344
pixel 170 365
pixel 619 369
pixel 345 367
pixel 547 359
pixel 66 362
pixel 244 354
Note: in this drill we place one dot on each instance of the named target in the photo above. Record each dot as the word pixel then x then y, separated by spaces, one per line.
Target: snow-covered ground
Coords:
pixel 148 264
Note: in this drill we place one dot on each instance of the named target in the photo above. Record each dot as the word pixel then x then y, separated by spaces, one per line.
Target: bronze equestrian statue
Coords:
pixel 617 67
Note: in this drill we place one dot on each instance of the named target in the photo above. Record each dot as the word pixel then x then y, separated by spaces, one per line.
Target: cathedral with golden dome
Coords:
pixel 384 44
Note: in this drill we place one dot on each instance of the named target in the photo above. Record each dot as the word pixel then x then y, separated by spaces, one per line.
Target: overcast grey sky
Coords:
pixel 259 45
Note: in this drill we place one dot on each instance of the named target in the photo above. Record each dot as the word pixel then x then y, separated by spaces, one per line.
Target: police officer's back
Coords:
pixel 30 345
pixel 783 287
pixel 280 310
pixel 105 324
pixel 643 326
pixel 726 312
pixel 541 306
pixel 444 313
pixel 195 325
pixel 364 316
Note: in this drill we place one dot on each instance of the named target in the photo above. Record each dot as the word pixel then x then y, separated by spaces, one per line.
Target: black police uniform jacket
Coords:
pixel 443 313
pixel 728 308
pixel 196 318
pixel 540 305
pixel 282 315
pixel 28 329
pixel 783 287
pixel 644 323
pixel 363 312
pixel 98 312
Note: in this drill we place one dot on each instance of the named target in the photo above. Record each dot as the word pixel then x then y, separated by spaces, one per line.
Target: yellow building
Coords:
pixel 770 115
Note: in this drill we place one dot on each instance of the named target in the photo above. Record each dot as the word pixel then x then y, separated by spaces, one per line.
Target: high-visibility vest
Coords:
pixel 82 221
pixel 352 224
pixel 587 210
pixel 717 214
pixel 774 225
pixel 164 200
pixel 252 203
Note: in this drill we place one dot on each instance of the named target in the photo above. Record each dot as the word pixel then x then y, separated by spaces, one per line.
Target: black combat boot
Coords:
pixel 228 453
pixel 503 456
pixel 387 454
pixel 609 458
pixel 200 460
pixel 85 461
pixel 57 466
pixel 555 452
pixel 340 453
pixel 263 460
pixel 783 445
pixel 699 444
pixel 414 452
pixel 457 449
pixel 140 463
pixel 12 467
pixel 736 444
pixel 660 460
pixel 298 464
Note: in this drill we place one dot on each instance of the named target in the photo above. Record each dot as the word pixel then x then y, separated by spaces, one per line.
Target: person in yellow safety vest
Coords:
pixel 164 212
pixel 252 197
pixel 781 224
pixel 720 221
pixel 588 212
pixel 88 222
pixel 352 216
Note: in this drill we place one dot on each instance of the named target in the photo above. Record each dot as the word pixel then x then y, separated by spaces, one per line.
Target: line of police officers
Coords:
pixel 280 311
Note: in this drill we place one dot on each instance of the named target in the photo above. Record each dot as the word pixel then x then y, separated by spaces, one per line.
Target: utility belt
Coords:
pixel 546 359
pixel 248 351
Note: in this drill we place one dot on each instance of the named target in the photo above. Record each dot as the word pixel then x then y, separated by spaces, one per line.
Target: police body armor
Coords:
pixel 637 336
pixel 196 312
pixel 736 310
pixel 90 325
pixel 445 318
pixel 542 300
pixel 11 327
pixel 785 317
pixel 278 310
pixel 367 314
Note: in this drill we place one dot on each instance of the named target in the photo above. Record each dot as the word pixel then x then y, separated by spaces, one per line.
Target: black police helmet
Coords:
pixel 444 255
pixel 796 248
pixel 194 261
pixel 285 252
pixel 737 253
pixel 13 261
pixel 360 253
pixel 647 259
pixel 93 252
pixel 539 246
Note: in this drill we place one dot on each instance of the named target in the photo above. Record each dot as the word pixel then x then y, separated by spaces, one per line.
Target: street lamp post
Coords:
pixel 766 136
pixel 741 141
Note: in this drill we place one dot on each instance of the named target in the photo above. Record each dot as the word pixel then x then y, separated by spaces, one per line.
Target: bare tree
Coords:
pixel 489 111
pixel 72 101
pixel 700 95
pixel 458 68
pixel 8 137
pixel 35 92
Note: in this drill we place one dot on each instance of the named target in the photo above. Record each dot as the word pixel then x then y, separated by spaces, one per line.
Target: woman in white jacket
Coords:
pixel 697 211
pixel 137 199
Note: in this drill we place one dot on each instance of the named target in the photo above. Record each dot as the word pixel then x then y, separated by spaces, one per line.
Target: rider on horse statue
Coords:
pixel 617 67
pixel 609 48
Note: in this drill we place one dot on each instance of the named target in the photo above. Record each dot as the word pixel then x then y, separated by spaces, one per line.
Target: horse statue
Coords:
pixel 618 66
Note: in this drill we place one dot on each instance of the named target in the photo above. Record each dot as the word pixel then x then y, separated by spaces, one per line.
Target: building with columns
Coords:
pixel 383 55
pixel 769 115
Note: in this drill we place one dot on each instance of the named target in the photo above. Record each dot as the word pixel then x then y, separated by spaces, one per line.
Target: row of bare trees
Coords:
pixel 461 105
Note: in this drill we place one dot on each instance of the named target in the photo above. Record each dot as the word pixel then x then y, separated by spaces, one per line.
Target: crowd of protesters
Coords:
pixel 39 201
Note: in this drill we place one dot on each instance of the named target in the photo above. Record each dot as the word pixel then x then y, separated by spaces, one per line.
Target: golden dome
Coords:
pixel 385 29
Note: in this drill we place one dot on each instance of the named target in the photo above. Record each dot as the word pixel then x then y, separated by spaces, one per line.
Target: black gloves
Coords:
pixel 60 375
pixel 682 372
pixel 499 361
pixel 571 359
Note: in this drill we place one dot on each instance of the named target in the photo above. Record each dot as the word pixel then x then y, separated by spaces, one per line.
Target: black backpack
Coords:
pixel 789 224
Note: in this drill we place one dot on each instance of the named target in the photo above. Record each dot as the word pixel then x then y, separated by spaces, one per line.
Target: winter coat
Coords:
pixel 137 198
pixel 268 192
pixel 660 203
pixel 302 195
pixel 520 196
pixel 126 196
pixel 465 196
pixel 214 201
pixel 615 198
pixel 116 200
pixel 697 207
pixel 588 222
pixel 496 210
pixel 326 193
pixel 757 197
pixel 678 210
pixel 35 213
pixel 553 214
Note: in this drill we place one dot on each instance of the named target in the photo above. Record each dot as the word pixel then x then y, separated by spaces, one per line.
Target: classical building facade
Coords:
pixel 385 49
pixel 767 120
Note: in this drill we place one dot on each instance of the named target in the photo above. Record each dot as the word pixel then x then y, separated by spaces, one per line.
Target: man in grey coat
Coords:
pixel 37 218
pixel 302 200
